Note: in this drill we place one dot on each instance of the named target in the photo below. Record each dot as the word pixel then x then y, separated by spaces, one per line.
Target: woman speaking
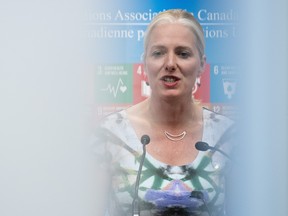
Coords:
pixel 174 178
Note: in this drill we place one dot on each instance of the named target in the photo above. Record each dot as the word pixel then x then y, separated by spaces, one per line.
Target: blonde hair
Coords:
pixel 177 16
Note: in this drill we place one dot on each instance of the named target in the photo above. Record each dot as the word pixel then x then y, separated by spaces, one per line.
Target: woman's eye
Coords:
pixel 157 53
pixel 184 54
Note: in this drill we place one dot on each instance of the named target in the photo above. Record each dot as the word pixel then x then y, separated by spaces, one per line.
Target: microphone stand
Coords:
pixel 145 139
pixel 222 152
pixel 203 146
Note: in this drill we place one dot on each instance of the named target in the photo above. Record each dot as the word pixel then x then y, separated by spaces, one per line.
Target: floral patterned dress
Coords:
pixel 197 188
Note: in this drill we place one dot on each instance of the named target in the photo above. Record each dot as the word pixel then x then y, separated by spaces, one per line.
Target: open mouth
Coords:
pixel 170 79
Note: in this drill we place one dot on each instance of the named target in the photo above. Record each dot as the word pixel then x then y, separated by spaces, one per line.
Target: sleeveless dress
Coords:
pixel 197 188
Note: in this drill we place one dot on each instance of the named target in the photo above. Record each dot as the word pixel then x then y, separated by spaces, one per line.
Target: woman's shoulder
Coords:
pixel 114 118
pixel 121 116
pixel 217 125
pixel 114 124
pixel 114 128
pixel 216 118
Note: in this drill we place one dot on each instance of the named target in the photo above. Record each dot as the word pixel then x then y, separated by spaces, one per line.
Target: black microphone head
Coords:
pixel 202 146
pixel 145 139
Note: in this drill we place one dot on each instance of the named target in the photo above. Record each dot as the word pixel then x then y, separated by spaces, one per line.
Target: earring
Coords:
pixel 198 82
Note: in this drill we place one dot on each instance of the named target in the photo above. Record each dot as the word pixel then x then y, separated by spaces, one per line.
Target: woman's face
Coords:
pixel 172 61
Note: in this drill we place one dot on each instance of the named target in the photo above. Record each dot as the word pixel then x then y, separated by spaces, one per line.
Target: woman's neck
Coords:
pixel 171 112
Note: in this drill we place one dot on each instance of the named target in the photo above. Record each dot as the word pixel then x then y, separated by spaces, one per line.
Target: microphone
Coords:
pixel 203 146
pixel 145 140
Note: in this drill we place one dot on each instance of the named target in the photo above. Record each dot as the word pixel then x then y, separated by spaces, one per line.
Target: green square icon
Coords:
pixel 114 84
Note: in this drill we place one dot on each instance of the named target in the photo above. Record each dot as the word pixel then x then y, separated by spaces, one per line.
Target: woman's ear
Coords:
pixel 203 61
pixel 146 79
pixel 202 65
pixel 145 74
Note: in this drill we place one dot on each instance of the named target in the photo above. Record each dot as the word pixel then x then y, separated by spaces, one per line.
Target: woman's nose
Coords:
pixel 171 64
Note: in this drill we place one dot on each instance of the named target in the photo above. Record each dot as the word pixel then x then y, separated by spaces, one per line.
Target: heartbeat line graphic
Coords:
pixel 112 90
